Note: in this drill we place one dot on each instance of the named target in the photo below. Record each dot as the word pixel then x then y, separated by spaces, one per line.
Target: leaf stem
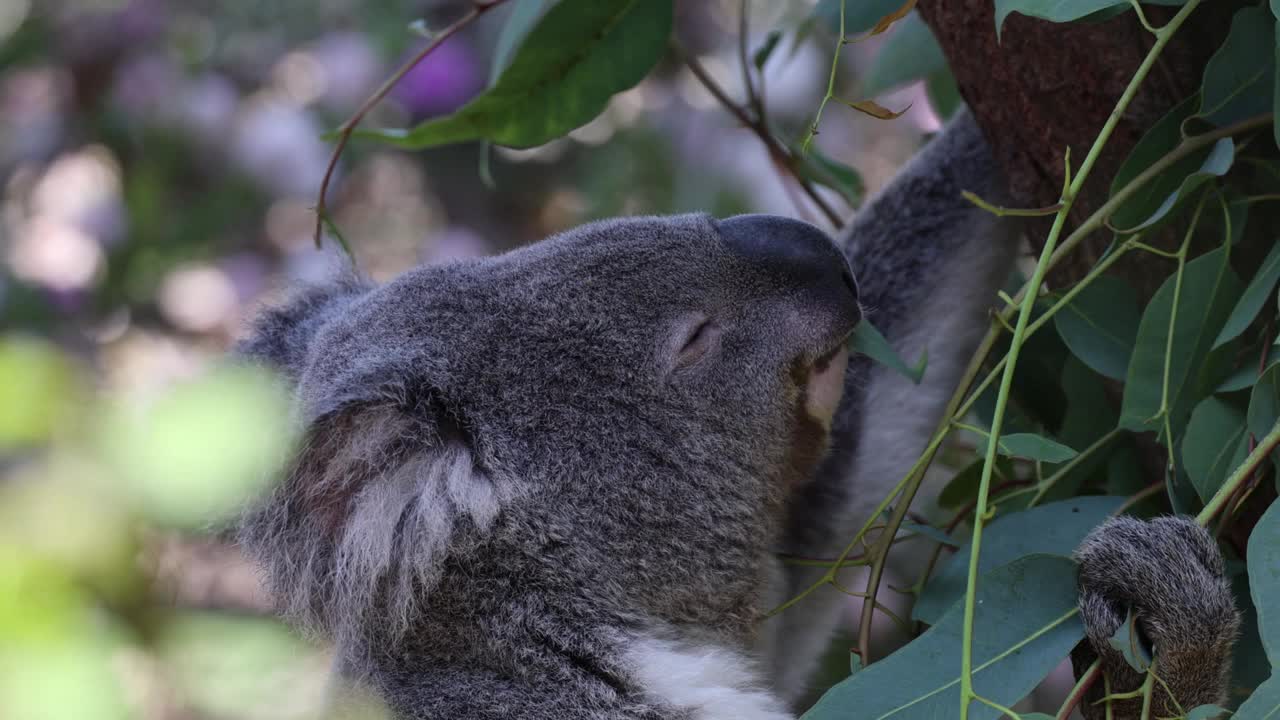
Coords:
pixel 478 8
pixel 1016 342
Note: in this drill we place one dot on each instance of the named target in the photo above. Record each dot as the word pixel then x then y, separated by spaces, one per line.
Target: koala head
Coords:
pixel 604 424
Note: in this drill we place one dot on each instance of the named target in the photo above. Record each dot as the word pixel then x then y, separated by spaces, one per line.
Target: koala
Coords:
pixel 554 483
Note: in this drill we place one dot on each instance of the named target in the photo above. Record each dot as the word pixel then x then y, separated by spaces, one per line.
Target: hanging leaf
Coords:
pixel 818 167
pixel 1025 612
pixel 1053 529
pixel 1254 297
pixel 1100 325
pixel 572 62
pixel 888 20
pixel 866 339
pixel 1239 80
pixel 1212 448
pixel 524 13
pixel 1209 289
pixel 765 51
pixel 875 109
pixel 1247 374
pixel 944 93
pixel 910 53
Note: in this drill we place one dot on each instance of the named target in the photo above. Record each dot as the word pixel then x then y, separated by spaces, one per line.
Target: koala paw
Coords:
pixel 1169 573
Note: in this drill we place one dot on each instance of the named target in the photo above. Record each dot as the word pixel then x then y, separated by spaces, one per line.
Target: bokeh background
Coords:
pixel 159 162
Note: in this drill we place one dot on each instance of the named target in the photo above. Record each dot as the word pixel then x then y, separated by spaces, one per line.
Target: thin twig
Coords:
pixel 780 154
pixel 478 8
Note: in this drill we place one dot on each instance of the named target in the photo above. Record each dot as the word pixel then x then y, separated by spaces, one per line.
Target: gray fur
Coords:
pixel 511 501
pixel 1170 573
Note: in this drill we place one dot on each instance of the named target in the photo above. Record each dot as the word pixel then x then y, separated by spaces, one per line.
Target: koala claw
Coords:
pixel 1170 574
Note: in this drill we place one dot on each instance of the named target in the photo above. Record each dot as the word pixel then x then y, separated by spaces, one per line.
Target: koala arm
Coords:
pixel 1170 574
pixel 928 264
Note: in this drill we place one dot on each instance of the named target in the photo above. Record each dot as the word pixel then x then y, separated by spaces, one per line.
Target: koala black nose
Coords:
pixel 794 251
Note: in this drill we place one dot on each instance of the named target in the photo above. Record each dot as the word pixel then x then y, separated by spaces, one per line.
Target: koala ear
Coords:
pixel 280 336
pixel 378 496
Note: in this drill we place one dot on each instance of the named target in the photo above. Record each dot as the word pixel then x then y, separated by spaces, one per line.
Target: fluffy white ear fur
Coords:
pixel 708 681
pixel 366 520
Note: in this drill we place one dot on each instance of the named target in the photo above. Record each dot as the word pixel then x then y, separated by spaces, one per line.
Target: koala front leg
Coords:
pixel 1169 573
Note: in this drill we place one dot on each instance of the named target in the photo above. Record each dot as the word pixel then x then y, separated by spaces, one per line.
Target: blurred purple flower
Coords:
pixel 279 145
pixel 443 82
pixel 351 69
pixel 145 85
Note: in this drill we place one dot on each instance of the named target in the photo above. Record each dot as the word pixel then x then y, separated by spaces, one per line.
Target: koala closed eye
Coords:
pixel 700 336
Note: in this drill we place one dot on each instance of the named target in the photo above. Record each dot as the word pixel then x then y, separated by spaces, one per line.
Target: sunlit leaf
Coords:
pixel 202 450
pixel 571 63
pixel 1026 620
pixel 910 53
pixel 866 339
pixel 38 388
pixel 1212 446
pixel 1100 325
pixel 1256 293
pixel 1239 80
pixel 1053 529
pixel 1208 292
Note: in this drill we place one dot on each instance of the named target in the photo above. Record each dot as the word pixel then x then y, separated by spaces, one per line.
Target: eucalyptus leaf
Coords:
pixel 1158 141
pixel 1211 448
pixel 765 51
pixel 1061 10
pixel 911 53
pixel 1264 402
pixel 1053 529
pixel 520 20
pixel 1202 712
pixel 571 63
pixel 1216 164
pixel 944 93
pixel 1026 623
pixel 1239 80
pixel 819 167
pixel 1264 587
pixel 1245 376
pixel 1255 296
pixel 1263 704
pixel 1129 642
pixel 1208 291
pixel 1034 447
pixel 1100 325
pixel 866 339
pixel 859 15
pixel 963 488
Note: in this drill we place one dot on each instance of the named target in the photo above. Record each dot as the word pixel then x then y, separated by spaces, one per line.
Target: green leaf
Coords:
pixel 1061 10
pixel 1053 529
pixel 1239 80
pixel 1202 712
pixel 1209 289
pixel 1026 620
pixel 818 167
pixel 574 60
pixel 1100 325
pixel 1263 704
pixel 1264 402
pixel 765 50
pixel 911 53
pixel 1128 640
pixel 866 339
pixel 520 20
pixel 1163 137
pixel 1211 448
pixel 1034 447
pixel 963 488
pixel 859 15
pixel 936 534
pixel 38 389
pixel 944 94
pixel 1264 579
pixel 1247 374
pixel 1216 164
pixel 1255 295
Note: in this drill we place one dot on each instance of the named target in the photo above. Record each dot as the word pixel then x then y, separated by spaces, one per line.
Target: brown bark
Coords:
pixel 1044 87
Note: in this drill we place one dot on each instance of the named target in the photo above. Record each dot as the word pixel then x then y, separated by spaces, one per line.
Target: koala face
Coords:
pixel 607 421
